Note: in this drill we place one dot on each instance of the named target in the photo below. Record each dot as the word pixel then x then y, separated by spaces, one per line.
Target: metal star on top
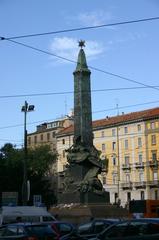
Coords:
pixel 81 43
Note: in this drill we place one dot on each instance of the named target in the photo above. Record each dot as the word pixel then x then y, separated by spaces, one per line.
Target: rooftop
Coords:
pixel 119 120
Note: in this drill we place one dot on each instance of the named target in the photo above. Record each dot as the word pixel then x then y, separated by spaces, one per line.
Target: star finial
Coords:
pixel 81 43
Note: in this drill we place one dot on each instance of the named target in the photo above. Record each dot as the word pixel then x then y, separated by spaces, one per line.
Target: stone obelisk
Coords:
pixel 82 101
pixel 81 183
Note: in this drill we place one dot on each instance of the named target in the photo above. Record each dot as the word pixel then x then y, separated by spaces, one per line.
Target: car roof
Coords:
pixel 26 224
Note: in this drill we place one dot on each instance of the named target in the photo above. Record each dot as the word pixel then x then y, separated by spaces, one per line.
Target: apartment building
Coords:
pixel 130 142
pixel 46 133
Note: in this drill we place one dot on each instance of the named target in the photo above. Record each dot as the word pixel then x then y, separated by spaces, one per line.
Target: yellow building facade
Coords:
pixel 130 142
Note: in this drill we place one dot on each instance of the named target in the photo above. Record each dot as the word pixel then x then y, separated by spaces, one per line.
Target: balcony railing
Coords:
pixel 154 164
pixel 153 184
pixel 141 184
pixel 126 185
pixel 126 166
pixel 139 165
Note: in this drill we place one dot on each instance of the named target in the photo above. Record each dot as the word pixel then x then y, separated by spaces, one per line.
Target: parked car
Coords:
pixel 135 229
pixel 63 229
pixel 26 213
pixel 27 231
pixel 92 228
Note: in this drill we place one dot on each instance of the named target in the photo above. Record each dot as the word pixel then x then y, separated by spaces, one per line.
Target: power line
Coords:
pixel 106 110
pixel 81 28
pixel 124 78
pixel 134 105
pixel 72 61
pixel 71 92
pixel 10 140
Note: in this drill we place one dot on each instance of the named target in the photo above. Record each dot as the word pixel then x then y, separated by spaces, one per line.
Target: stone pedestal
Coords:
pixel 83 198
pixel 80 213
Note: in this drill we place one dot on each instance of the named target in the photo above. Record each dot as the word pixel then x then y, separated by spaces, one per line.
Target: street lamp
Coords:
pixel 26 108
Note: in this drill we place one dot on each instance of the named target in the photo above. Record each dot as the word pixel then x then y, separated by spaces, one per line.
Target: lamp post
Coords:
pixel 26 108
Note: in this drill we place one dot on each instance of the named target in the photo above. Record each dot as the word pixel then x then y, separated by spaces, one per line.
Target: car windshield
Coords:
pixel 39 230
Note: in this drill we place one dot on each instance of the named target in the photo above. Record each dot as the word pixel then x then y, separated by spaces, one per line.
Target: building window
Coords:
pixel 139 128
pixel 104 179
pixel 54 146
pixel 139 142
pixel 63 153
pixel 127 178
pixel 113 132
pixel 113 145
pixel 152 125
pixel 125 130
pixel 155 177
pixel 141 177
pixel 48 136
pixel 114 179
pixel 53 134
pixel 140 158
pixel 35 139
pixel 102 134
pixel 103 147
pixel 29 140
pixel 127 160
pixel 156 194
pixel 126 144
pixel 64 167
pixel 114 160
pixel 154 156
pixel 128 196
pixel 153 139
pixel 142 195
pixel 41 137
pixel 63 141
pixel 115 197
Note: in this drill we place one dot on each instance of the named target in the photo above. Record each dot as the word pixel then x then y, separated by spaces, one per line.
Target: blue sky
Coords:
pixel 128 50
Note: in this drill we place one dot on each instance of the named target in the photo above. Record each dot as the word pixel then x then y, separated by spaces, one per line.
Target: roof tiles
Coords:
pixel 119 120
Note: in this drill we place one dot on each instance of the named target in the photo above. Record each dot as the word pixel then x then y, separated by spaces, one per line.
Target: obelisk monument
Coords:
pixel 81 182
pixel 82 100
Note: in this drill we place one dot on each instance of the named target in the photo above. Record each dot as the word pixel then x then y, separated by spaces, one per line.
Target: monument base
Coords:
pixel 81 213
pixel 83 198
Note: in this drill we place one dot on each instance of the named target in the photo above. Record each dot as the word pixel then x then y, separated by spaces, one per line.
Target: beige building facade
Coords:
pixel 130 142
pixel 46 134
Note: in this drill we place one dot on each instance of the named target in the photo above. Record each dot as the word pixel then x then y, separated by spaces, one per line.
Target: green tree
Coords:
pixel 39 163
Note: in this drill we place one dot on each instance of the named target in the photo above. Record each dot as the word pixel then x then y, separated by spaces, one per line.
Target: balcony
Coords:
pixel 153 184
pixel 153 164
pixel 140 185
pixel 126 185
pixel 139 165
pixel 126 166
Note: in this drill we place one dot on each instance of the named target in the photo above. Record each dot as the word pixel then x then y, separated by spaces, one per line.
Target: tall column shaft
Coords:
pixel 82 104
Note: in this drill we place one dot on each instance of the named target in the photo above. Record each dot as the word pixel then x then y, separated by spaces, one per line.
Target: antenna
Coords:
pixel 117 106
pixel 65 105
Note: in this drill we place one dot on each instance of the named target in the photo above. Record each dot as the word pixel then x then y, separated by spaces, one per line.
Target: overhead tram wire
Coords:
pixel 127 106
pixel 70 92
pixel 81 28
pixel 106 110
pixel 72 61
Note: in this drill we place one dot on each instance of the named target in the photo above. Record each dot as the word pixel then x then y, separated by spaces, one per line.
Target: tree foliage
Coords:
pixel 39 162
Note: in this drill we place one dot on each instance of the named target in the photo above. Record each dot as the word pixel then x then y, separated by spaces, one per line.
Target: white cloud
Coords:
pixel 94 18
pixel 68 48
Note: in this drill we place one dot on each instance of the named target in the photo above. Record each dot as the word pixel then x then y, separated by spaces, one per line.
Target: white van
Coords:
pixel 25 214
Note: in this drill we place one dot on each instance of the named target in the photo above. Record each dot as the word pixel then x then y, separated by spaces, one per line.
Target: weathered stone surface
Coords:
pixel 80 213
pixel 81 183
pixel 84 198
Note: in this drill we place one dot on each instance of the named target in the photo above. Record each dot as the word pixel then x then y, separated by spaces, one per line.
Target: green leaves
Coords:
pixel 39 164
